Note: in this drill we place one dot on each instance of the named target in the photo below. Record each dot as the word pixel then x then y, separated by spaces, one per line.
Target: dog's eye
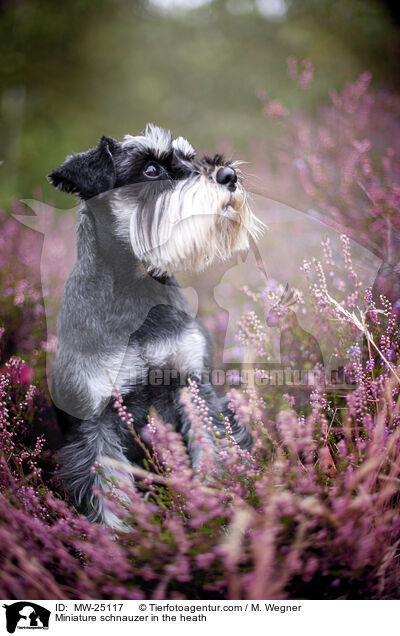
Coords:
pixel 152 171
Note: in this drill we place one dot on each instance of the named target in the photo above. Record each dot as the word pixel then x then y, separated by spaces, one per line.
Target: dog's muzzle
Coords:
pixel 227 176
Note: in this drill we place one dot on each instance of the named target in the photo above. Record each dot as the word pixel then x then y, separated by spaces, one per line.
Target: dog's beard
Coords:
pixel 186 226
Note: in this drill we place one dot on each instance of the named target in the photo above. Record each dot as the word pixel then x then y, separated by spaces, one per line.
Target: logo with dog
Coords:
pixel 26 615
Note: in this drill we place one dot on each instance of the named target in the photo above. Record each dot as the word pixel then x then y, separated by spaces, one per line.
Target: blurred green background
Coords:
pixel 71 72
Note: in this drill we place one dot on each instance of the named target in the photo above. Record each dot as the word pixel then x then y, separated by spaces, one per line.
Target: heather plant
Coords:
pixel 280 522
pixel 311 512
pixel 346 161
pixel 277 523
pixel 21 308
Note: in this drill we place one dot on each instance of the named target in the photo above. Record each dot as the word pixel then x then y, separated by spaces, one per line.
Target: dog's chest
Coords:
pixel 128 366
pixel 184 352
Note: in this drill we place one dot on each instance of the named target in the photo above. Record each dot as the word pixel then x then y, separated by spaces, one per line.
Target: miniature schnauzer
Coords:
pixel 149 210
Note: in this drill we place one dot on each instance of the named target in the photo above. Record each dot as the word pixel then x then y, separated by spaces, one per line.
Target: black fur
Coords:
pixel 110 304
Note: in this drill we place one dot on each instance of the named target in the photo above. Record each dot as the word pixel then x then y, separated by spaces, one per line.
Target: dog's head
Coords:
pixel 176 212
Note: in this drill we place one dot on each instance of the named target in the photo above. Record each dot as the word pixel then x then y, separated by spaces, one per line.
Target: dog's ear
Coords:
pixel 88 173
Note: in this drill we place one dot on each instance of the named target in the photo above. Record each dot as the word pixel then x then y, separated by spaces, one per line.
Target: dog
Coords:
pixel 150 209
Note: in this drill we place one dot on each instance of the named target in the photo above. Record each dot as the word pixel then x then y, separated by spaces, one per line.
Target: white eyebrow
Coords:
pixel 156 139
pixel 182 145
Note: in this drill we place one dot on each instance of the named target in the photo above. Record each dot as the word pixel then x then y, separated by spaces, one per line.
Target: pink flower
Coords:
pixel 26 374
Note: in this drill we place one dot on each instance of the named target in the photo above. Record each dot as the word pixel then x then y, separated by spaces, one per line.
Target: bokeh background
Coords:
pixel 324 157
pixel 71 72
pixel 216 72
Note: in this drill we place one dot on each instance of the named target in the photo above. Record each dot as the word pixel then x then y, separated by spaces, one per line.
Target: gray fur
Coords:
pixel 118 320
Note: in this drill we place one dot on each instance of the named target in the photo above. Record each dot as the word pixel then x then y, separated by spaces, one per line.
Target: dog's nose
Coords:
pixel 227 176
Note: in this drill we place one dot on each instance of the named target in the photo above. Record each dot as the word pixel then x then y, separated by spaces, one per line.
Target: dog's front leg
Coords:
pixel 181 414
pixel 103 439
